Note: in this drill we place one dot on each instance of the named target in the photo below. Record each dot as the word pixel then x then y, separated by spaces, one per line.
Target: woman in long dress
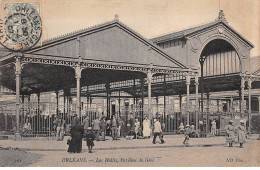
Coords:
pixel 230 133
pixel 75 144
pixel 146 127
pixel 241 130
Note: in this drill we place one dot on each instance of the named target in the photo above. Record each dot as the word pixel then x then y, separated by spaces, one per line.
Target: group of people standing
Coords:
pixel 98 129
pixel 157 128
pixel 79 132
pixel 102 127
pixel 240 130
pixel 234 133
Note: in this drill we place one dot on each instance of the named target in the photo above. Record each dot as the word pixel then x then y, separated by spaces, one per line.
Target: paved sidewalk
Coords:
pixel 202 152
pixel 156 157
pixel 122 143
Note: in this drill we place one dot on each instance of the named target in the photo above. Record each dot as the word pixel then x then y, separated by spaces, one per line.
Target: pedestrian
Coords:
pixel 132 126
pixel 128 129
pixel 213 128
pixel 192 131
pixel 59 124
pixel 27 128
pixel 146 128
pixel 108 129
pixel 187 135
pixel 230 133
pixel 140 133
pixel 163 130
pixel 90 137
pixel 120 124
pixel 103 127
pixel 55 124
pixel 96 128
pixel 181 128
pixel 114 125
pixel 157 131
pixel 85 124
pixel 76 131
pixel 241 130
pixel 137 126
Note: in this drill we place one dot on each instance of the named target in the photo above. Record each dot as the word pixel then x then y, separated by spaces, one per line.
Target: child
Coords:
pixel 187 137
pixel 90 139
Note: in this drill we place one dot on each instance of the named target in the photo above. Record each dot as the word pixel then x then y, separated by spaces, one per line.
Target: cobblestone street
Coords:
pixel 202 152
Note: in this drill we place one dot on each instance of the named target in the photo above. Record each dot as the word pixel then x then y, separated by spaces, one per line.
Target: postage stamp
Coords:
pixel 112 83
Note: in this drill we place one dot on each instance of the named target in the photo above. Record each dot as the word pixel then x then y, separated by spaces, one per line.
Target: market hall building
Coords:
pixel 192 76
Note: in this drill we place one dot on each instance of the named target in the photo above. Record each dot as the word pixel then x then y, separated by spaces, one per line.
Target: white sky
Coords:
pixel 150 17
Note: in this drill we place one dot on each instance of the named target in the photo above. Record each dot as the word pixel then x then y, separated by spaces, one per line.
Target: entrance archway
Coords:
pixel 218 58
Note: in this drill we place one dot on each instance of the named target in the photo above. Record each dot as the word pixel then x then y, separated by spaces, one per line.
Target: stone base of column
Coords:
pixel 17 136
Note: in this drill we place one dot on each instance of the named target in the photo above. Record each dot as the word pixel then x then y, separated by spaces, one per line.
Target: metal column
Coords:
pixel 249 105
pixel 149 81
pixel 243 96
pixel 164 101
pixel 78 77
pixel 142 109
pixel 119 103
pixel 57 102
pixel 197 101
pixel 188 99
pixel 18 71
pixel 201 60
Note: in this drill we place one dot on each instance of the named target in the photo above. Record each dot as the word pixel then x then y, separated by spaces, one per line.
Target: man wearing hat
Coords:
pixel 157 131
pixel 230 133
pixel 241 129
pixel 187 132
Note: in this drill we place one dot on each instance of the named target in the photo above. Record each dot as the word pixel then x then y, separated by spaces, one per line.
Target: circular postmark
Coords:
pixel 21 28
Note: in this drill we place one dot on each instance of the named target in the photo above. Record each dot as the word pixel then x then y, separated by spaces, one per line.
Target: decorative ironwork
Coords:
pixel 48 61
pixel 86 64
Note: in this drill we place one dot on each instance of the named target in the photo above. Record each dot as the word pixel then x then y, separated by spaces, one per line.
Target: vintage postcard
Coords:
pixel 112 83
